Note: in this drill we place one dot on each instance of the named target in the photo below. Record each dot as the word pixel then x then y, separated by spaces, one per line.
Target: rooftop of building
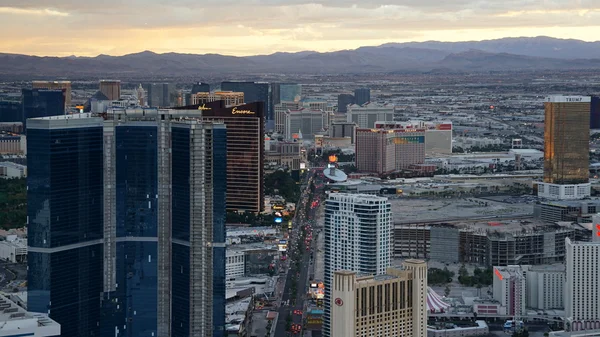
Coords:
pixel 13 165
pixel 14 317
pixel 571 203
pixel 357 197
pixel 240 306
pixel 509 271
pixel 244 247
pixel 575 333
pixel 558 267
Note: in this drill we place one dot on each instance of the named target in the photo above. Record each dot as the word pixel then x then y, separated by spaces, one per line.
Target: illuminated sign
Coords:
pixel 498 274
pixel 313 285
pixel 333 158
pixel 283 242
pixel 235 111
pixel 278 220
pixel 598 230
pixel 203 107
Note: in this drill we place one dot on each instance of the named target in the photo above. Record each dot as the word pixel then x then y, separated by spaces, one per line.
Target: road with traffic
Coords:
pixel 300 247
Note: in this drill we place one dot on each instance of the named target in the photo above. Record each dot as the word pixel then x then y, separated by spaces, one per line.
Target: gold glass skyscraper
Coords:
pixel 566 140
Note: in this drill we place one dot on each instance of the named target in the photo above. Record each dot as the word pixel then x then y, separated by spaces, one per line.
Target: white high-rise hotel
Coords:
pixel 357 238
pixel 582 294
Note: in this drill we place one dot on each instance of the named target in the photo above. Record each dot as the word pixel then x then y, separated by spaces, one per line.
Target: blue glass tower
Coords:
pixel 136 230
pixel 10 112
pixel 199 159
pixel 42 103
pixel 65 212
pixel 362 95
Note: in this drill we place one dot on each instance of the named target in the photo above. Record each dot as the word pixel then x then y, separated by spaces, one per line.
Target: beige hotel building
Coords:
pixel 388 305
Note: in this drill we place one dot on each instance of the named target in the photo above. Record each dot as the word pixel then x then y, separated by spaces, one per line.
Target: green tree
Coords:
pixel 281 183
pixel 13 203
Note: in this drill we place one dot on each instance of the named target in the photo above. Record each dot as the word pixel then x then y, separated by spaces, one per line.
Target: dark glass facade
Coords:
pixel 595 113
pixel 160 94
pixel 253 92
pixel 343 101
pixel 41 103
pixel 200 87
pixel 216 169
pixel 219 152
pixel 10 112
pixel 180 143
pixel 65 212
pixel 284 92
pixel 362 96
pixel 136 161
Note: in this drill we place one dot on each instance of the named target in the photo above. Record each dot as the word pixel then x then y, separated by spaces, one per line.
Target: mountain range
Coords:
pixel 507 54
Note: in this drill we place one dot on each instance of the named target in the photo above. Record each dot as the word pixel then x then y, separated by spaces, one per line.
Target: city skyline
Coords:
pixel 61 28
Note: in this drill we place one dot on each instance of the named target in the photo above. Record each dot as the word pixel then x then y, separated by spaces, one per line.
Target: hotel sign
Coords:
pixel 203 107
pixel 235 111
pixel 568 99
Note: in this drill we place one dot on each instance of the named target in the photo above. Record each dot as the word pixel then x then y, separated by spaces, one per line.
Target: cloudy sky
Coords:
pixel 249 27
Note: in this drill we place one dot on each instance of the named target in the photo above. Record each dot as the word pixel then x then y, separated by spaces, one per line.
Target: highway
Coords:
pixel 298 273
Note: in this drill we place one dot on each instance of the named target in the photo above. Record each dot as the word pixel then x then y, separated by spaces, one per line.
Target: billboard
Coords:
pixel 282 245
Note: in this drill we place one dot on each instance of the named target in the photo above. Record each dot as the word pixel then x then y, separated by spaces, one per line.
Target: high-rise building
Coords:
pixel 42 103
pixel 438 135
pixel 280 110
pixel 358 238
pixel 55 85
pixel 383 305
pixel 366 115
pixel 164 223
pixel 286 92
pixel 134 243
pixel 595 112
pixel 199 174
pixel 200 87
pixel 245 151
pixel 253 92
pixel 582 308
pixel 566 148
pixel 10 112
pixel 385 151
pixel 160 95
pixel 65 226
pixel 343 100
pixel 141 95
pixel 362 96
pixel 341 130
pixel 509 289
pixel 111 89
pixel 543 286
pixel 230 98
pixel 305 122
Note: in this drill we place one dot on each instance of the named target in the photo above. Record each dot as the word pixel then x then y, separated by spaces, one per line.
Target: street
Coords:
pixel 293 299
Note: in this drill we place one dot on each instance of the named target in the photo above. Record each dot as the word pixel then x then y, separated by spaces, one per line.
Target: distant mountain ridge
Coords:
pixel 508 54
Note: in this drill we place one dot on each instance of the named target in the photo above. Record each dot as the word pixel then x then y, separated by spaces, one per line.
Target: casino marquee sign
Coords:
pixel 218 109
